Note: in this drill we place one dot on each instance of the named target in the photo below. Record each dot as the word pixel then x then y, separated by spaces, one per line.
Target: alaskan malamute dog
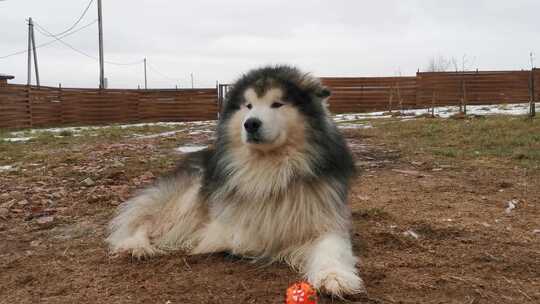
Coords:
pixel 273 187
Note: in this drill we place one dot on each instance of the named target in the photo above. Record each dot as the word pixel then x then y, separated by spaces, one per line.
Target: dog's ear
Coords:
pixel 324 93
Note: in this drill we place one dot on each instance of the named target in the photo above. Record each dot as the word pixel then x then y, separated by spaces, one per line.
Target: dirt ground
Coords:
pixel 427 229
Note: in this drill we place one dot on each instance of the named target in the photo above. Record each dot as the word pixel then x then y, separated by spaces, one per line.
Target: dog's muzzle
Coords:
pixel 253 126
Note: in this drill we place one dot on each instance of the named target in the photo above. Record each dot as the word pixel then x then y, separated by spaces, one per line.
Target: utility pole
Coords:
pixel 34 50
pixel 29 75
pixel 145 82
pixel 192 86
pixel 101 60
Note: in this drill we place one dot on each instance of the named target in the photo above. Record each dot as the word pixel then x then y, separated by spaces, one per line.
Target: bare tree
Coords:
pixel 454 62
pixel 438 63
pixel 441 63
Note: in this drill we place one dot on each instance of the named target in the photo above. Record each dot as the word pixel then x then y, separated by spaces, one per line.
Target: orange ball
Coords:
pixel 301 293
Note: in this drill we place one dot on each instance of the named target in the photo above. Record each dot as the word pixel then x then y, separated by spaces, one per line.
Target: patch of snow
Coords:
pixel 18 139
pixel 6 168
pixel 354 126
pixel 511 206
pixel 189 149
pixel 61 136
pixel 359 116
pixel 56 130
pixel 45 220
pixel 411 233
pixel 444 112
pixel 168 133
pixel 208 123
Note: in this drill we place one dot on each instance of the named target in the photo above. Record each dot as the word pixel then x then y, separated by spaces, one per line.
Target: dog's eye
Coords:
pixel 249 106
pixel 276 105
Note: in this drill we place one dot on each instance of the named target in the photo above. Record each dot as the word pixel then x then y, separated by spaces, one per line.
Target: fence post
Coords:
pixel 62 105
pixel 432 104
pixel 418 91
pixel 390 99
pixel 218 101
pixel 464 96
pixel 29 105
pixel 138 106
pixel 400 100
pixel 532 96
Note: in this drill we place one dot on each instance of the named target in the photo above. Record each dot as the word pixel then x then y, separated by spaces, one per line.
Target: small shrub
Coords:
pixel 66 133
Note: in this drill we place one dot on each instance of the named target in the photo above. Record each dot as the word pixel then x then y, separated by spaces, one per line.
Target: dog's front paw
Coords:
pixel 136 246
pixel 338 282
pixel 139 252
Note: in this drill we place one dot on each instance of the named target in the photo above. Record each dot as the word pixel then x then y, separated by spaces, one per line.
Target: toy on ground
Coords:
pixel 301 293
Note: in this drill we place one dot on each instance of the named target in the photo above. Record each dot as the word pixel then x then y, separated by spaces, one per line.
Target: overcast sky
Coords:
pixel 218 40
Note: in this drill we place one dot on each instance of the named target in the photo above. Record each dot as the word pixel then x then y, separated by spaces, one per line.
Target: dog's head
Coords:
pixel 270 107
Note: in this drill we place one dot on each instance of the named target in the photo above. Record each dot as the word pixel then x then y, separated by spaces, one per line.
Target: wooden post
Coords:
pixel 432 104
pixel 218 101
pixel 62 105
pixel 464 97
pixel 138 109
pixel 390 99
pixel 29 105
pixel 418 90
pixel 400 100
pixel 461 97
pixel 532 97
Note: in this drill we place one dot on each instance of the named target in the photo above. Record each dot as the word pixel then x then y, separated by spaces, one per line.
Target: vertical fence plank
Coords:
pixel 464 96
pixel 532 94
pixel 29 105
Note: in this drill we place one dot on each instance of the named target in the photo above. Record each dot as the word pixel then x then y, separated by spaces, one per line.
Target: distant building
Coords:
pixel 4 78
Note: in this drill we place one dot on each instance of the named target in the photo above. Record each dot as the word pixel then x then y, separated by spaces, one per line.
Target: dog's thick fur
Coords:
pixel 275 191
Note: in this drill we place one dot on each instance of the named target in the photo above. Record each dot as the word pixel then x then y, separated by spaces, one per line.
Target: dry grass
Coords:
pixel 503 140
pixel 468 249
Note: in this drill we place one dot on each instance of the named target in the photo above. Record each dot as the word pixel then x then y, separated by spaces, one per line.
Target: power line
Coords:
pixel 153 68
pixel 51 41
pixel 76 22
pixel 124 63
pixel 41 30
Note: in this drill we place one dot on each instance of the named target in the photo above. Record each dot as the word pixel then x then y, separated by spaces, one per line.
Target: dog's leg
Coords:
pixel 130 229
pixel 216 238
pixel 330 266
pixel 138 244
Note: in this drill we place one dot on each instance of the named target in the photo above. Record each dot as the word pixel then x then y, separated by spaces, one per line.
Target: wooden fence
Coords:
pixel 22 106
pixel 473 87
pixel 361 94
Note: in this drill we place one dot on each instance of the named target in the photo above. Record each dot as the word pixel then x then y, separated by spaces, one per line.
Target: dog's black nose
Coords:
pixel 252 125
